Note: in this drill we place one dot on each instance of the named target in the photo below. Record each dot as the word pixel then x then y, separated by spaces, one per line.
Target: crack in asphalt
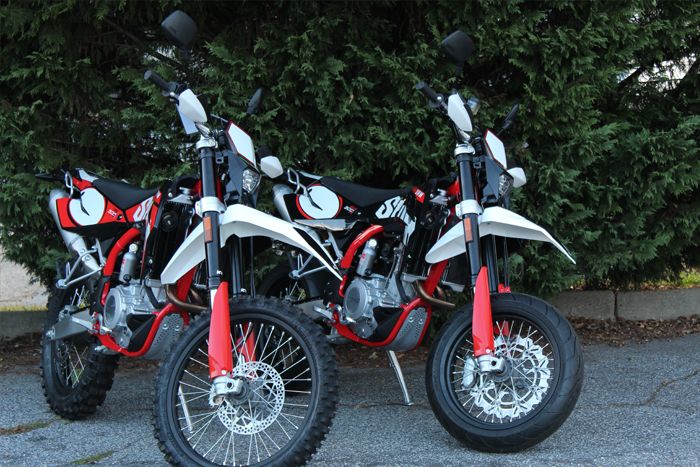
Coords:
pixel 26 427
pixel 655 393
pixel 372 405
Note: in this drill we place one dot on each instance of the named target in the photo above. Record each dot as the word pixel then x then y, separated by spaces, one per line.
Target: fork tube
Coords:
pixel 489 252
pixel 210 218
pixel 470 221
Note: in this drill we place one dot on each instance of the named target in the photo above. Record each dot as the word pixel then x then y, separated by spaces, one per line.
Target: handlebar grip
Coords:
pixel 156 79
pixel 428 91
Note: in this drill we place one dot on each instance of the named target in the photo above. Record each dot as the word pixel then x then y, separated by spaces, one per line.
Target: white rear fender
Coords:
pixel 243 221
pixel 493 221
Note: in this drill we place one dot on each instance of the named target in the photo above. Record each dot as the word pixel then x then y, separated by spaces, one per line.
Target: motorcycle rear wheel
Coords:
pixel 75 376
pixel 264 426
pixel 530 399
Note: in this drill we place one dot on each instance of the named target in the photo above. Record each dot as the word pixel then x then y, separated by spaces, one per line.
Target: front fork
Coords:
pixel 482 319
pixel 219 343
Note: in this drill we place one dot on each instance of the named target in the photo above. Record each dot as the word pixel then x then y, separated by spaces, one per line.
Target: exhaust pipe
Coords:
pixel 73 241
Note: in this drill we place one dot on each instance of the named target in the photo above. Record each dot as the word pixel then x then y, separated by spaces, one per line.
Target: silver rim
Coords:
pixel 72 357
pixel 254 426
pixel 519 389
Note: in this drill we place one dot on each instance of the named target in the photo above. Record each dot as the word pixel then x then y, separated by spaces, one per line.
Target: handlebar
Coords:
pixel 156 79
pixel 434 97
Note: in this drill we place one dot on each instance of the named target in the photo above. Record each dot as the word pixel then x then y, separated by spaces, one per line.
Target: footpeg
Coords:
pixel 394 362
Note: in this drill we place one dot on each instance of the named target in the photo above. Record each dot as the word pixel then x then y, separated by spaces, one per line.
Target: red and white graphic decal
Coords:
pixel 419 194
pixel 324 204
pixel 394 207
pixel 89 208
pixel 140 211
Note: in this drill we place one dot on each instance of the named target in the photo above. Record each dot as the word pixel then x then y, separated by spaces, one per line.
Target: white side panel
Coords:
pixel 494 221
pixel 89 208
pixel 327 204
pixel 496 148
pixel 458 112
pixel 242 221
pixel 242 142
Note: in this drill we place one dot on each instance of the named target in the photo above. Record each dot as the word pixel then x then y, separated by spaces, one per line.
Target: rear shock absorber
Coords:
pixel 369 254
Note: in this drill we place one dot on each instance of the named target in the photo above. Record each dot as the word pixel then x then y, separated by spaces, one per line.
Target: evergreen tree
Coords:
pixel 609 92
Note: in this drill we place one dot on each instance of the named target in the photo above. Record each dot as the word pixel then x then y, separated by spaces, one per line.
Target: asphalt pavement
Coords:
pixel 640 405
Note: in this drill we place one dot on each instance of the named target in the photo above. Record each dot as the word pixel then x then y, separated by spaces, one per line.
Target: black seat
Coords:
pixel 361 195
pixel 122 194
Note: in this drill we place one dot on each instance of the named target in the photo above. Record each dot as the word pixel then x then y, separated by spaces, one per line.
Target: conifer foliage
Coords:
pixel 609 91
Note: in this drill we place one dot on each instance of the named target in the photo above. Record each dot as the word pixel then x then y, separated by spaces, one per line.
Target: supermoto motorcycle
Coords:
pixel 159 273
pixel 506 370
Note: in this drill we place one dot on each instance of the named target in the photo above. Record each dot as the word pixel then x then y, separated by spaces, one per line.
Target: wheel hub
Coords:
pixel 518 388
pixel 258 405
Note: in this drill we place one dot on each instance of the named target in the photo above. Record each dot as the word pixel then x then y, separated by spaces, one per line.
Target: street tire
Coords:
pixel 75 377
pixel 521 407
pixel 178 423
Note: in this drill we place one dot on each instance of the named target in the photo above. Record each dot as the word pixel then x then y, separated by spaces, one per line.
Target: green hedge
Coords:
pixel 610 119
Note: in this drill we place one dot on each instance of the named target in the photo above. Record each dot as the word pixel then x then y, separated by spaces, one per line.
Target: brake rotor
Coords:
pixel 263 404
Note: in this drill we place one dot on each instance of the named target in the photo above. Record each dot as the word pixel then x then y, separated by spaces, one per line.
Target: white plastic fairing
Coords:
pixel 321 203
pixel 187 124
pixel 241 142
pixel 494 221
pixel 496 148
pixel 89 208
pixel 271 166
pixel 518 175
pixel 459 114
pixel 189 106
pixel 242 221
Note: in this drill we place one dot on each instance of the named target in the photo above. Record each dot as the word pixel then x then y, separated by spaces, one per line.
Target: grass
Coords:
pixel 22 308
pixel 25 428
pixel 93 459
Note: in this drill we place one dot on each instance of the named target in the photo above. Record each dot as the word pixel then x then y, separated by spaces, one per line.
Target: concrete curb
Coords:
pixel 595 304
pixel 658 304
pixel 19 323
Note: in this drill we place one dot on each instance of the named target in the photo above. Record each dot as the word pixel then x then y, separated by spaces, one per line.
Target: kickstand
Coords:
pixel 394 362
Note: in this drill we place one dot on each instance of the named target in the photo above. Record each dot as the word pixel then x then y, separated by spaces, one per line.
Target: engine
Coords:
pixel 369 292
pixel 362 296
pixel 127 307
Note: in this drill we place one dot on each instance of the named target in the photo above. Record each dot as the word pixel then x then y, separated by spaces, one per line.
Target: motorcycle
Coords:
pixel 506 370
pixel 159 273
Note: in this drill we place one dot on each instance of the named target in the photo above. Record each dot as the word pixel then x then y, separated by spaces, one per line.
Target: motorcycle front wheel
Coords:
pixel 526 402
pixel 263 425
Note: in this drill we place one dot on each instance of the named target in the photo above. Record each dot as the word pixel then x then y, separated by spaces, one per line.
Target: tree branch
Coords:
pixel 142 45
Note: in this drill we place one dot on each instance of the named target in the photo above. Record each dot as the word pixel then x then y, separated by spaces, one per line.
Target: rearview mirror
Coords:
pixel 254 102
pixel 458 47
pixel 510 118
pixel 179 29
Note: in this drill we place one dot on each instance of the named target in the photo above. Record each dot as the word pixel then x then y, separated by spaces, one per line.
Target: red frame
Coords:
pixel 429 285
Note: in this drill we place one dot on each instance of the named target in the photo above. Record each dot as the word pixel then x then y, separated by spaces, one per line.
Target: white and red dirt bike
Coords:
pixel 506 370
pixel 160 274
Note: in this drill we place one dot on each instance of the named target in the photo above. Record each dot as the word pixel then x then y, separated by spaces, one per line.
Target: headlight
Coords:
pixel 505 185
pixel 251 180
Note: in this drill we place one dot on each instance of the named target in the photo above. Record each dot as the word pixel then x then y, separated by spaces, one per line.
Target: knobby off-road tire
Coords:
pixel 75 377
pixel 507 416
pixel 278 284
pixel 183 417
